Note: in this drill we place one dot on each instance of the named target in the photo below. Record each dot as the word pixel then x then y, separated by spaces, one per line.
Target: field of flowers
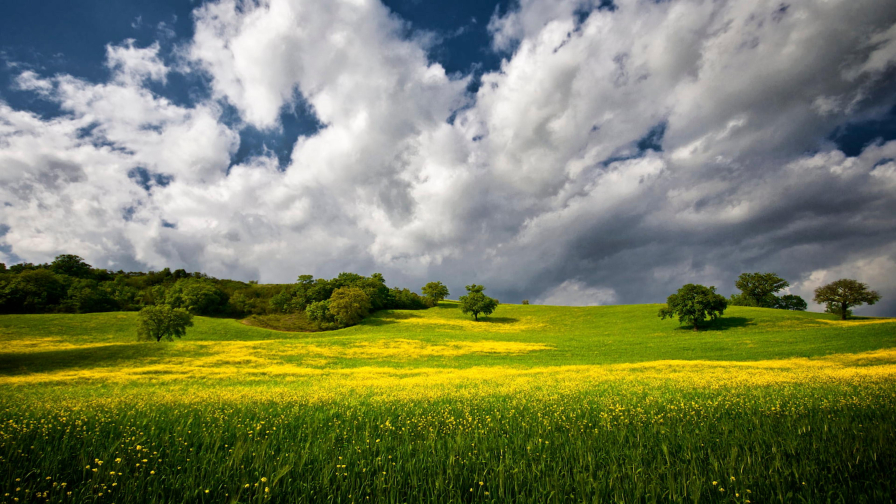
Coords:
pixel 543 405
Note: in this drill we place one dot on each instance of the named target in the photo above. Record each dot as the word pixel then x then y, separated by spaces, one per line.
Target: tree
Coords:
pixel 88 296
pixel 844 294
pixel 71 265
pixel 693 304
pixel 32 291
pixel 791 302
pixel 199 297
pixel 759 288
pixel 476 302
pixel 349 305
pixel 163 321
pixel 435 292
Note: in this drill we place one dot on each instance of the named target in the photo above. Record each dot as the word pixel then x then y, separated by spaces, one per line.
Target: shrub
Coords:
pixel 349 305
pixel 319 311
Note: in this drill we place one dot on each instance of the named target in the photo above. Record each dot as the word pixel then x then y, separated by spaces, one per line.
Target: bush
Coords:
pixel 349 305
pixel 319 311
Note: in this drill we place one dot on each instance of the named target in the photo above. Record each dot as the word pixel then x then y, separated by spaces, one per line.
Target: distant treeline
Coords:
pixel 70 285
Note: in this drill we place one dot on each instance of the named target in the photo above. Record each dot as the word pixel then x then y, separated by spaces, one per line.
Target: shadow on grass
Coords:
pixel 497 320
pixel 12 364
pixel 387 317
pixel 721 324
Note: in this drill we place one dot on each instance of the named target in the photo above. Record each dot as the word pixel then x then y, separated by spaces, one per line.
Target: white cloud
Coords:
pixel 132 65
pixel 576 293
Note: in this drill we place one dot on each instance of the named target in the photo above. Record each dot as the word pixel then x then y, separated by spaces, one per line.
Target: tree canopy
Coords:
pixel 693 304
pixel 758 289
pixel 477 303
pixel 843 294
pixel 163 322
pixel 71 265
pixel 791 302
pixel 435 292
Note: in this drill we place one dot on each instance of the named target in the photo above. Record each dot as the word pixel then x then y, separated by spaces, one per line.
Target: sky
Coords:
pixel 570 152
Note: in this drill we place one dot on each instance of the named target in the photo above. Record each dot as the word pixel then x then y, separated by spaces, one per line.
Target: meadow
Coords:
pixel 533 404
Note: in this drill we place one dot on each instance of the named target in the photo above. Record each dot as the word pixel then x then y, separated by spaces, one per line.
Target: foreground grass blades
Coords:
pixel 539 404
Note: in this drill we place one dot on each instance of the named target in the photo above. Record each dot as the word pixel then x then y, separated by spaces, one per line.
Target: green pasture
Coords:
pixel 533 404
pixel 575 335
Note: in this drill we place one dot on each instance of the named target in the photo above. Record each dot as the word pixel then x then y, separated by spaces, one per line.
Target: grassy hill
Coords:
pixel 44 347
pixel 533 404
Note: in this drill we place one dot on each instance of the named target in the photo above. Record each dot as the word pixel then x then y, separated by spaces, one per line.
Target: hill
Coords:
pixel 59 347
pixel 534 404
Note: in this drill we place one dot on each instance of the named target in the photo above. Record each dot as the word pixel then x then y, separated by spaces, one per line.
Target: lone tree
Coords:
pixel 435 292
pixel 844 294
pixel 758 289
pixel 163 321
pixel 693 304
pixel 476 302
pixel 349 305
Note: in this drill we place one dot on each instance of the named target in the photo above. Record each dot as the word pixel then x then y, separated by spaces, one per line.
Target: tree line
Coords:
pixel 693 304
pixel 71 285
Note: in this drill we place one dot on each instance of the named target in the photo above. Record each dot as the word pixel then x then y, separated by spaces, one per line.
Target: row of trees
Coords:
pixel 70 285
pixel 760 290
pixel 693 304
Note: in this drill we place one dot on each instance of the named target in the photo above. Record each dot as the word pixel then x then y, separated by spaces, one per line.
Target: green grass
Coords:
pixel 533 404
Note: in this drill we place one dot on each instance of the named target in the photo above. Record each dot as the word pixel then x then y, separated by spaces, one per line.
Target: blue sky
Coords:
pixel 564 151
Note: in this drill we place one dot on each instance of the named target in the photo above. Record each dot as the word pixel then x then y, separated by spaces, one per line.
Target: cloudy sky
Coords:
pixel 564 151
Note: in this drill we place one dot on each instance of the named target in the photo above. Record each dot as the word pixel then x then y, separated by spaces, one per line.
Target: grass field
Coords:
pixel 533 404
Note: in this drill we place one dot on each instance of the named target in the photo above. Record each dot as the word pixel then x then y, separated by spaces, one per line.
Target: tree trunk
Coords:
pixel 843 311
pixel 695 325
pixel 476 316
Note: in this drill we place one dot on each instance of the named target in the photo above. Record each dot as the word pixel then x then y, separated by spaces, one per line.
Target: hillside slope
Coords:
pixel 48 348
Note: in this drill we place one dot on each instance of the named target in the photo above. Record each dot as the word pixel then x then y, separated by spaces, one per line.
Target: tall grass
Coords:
pixel 779 444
